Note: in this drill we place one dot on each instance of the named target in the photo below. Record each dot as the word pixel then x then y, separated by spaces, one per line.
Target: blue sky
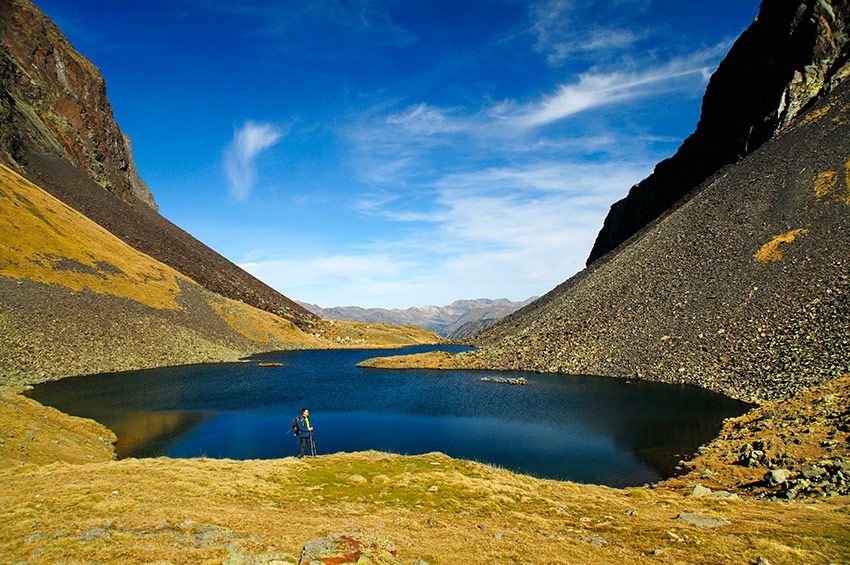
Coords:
pixel 401 153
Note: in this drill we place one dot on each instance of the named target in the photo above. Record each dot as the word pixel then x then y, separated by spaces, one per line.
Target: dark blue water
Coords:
pixel 587 429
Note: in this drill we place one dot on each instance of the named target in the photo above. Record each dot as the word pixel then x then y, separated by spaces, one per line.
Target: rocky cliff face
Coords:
pixel 792 54
pixel 54 102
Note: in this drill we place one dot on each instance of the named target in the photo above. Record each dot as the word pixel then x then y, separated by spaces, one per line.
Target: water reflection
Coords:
pixel 587 429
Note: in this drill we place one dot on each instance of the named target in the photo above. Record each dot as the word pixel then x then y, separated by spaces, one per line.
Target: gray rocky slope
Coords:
pixel 793 53
pixel 741 288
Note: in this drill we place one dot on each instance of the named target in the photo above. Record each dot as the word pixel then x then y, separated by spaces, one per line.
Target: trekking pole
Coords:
pixel 312 445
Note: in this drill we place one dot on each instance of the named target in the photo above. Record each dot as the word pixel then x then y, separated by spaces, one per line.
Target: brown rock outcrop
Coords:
pixel 54 101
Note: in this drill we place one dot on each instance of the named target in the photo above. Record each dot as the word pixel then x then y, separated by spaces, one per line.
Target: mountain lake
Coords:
pixel 588 429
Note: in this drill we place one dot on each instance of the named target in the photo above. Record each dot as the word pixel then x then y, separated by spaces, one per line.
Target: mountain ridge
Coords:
pixel 445 320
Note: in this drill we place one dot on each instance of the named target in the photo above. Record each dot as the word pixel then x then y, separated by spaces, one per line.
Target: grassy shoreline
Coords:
pixel 60 504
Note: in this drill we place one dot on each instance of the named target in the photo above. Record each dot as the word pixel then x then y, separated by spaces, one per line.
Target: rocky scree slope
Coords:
pixel 742 289
pixel 792 54
pixel 58 130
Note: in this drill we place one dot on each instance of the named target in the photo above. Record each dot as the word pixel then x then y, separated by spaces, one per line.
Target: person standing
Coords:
pixel 305 434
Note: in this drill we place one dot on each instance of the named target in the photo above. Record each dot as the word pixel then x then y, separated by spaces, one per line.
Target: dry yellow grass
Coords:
pixel 42 239
pixel 258 325
pixel 429 360
pixel 826 183
pixel 34 434
pixel 771 251
pixel 432 507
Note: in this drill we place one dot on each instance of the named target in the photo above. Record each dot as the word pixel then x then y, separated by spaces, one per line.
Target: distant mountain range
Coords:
pixel 458 320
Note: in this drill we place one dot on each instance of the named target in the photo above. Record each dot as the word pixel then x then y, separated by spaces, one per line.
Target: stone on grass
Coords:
pixel 776 477
pixel 701 521
pixel 700 490
pixel 349 547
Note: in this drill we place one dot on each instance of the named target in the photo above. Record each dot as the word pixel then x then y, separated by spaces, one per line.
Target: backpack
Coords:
pixel 295 429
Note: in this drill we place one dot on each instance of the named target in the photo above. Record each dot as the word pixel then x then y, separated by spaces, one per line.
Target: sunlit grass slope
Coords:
pixel 75 299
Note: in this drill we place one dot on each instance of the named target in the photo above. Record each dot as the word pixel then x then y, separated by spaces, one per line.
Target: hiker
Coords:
pixel 304 431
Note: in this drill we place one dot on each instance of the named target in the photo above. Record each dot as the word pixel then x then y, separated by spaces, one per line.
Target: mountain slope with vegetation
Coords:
pixel 57 129
pixel 74 299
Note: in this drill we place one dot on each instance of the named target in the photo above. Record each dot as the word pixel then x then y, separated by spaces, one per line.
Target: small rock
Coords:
pixel 594 540
pixel 630 512
pixel 701 521
pixel 762 561
pixel 659 551
pixel 482 527
pixel 561 511
pixel 35 538
pixel 94 533
pixel 433 488
pixel 776 477
pixel 497 535
pixel 356 479
pixel 349 547
pixel 700 491
pixel 431 522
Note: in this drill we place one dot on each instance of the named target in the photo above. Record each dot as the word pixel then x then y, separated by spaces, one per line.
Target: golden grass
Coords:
pixel 44 240
pixel 34 434
pixel 816 115
pixel 430 506
pixel 771 251
pixel 258 325
pixel 347 333
pixel 429 360
pixel 826 183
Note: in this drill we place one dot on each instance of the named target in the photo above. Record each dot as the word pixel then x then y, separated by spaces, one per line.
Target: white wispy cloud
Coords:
pixel 241 153
pixel 560 30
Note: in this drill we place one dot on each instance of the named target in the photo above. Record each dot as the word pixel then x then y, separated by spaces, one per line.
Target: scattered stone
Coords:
pixel 595 540
pixel 497 535
pixel 630 512
pixel 701 521
pixel 776 477
pixel 433 488
pixel 762 561
pixel 700 491
pixel 659 551
pixel 35 538
pixel 95 533
pixel 519 381
pixel 431 522
pixel 356 479
pixel 706 474
pixel 349 547
pixel 482 527
pixel 561 511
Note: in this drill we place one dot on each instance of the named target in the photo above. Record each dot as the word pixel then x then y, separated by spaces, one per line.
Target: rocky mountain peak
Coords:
pixel 53 102
pixel 793 54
